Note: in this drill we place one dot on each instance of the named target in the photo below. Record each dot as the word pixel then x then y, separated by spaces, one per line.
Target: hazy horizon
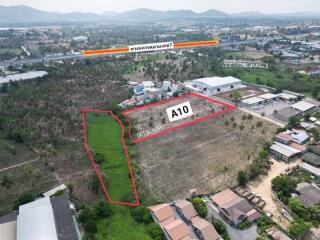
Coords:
pixel 228 6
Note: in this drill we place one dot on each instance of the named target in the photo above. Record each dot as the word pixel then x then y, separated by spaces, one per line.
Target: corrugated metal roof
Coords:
pixel 284 149
pixel 36 221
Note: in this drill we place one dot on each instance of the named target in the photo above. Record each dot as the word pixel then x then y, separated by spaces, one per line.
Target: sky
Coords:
pixel 229 6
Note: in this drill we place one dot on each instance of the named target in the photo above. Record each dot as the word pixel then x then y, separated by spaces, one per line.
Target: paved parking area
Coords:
pixel 235 234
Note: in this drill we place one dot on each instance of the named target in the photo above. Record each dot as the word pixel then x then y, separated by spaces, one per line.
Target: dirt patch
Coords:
pixel 154 119
pixel 262 188
pixel 206 155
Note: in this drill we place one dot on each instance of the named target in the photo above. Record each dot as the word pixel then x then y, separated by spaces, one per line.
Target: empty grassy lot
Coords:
pixel 104 137
pixel 206 155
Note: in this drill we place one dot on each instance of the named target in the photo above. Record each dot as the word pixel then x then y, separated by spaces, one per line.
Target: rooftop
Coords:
pixel 186 208
pixel 303 106
pixel 309 194
pixel 217 81
pixel 162 211
pixel 23 76
pixel 36 221
pixel 177 230
pixel 312 159
pixel 315 171
pixel 268 96
pixel 252 100
pixel 284 149
pixel 206 228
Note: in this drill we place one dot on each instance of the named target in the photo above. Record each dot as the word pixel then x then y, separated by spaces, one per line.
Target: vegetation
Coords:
pixel 242 178
pixel 221 228
pixel 284 186
pixel 200 207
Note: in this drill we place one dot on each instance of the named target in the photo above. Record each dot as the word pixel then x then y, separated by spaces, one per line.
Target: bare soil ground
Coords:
pixel 262 187
pixel 253 53
pixel 206 155
pixel 154 119
pixel 246 92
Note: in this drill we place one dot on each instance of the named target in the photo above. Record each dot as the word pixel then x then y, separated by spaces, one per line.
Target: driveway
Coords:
pixel 262 188
pixel 235 234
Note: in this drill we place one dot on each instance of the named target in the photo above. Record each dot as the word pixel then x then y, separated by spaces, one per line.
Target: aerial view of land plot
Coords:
pixel 152 119
pixel 210 153
pixel 104 136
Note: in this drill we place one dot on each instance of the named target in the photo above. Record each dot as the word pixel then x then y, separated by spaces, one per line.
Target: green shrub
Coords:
pixel 102 209
pixel 221 228
pixel 155 232
pixel 200 207
pixel 141 215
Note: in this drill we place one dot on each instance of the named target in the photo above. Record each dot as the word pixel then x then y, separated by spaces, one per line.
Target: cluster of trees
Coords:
pixel 89 216
pixel 257 167
pixel 305 217
pixel 142 215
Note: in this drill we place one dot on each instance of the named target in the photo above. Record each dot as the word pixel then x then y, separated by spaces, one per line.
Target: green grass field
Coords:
pixel 104 137
pixel 121 226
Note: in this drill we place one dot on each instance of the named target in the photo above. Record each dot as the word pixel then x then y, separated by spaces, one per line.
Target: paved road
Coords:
pixel 235 234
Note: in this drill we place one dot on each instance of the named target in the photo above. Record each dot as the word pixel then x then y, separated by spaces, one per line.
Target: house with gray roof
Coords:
pixel 308 194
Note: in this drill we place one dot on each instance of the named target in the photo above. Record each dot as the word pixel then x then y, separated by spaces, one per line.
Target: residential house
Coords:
pixel 308 194
pixel 233 208
pixel 186 210
pixel 312 159
pixel 204 230
pixel 284 138
pixel 162 214
pixel 310 169
pixel 177 230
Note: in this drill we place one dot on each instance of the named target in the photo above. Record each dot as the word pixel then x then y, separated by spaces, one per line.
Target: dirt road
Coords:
pixel 262 188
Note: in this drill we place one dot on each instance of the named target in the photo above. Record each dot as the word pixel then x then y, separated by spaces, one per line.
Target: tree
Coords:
pixel 141 215
pixel 94 184
pixel 90 226
pixel 242 178
pixel 155 232
pixel 236 95
pixel 315 134
pixel 299 228
pixel 200 207
pixel 102 209
pixel 284 185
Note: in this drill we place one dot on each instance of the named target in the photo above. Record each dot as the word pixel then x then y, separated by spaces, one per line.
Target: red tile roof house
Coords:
pixel 174 229
pixel 186 210
pixel 204 230
pixel 233 208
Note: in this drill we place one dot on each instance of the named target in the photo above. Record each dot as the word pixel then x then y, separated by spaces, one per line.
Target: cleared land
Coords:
pixel 206 155
pixel 154 119
pixel 104 137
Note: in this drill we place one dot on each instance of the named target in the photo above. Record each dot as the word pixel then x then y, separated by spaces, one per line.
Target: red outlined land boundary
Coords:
pixel 227 108
pixel 94 165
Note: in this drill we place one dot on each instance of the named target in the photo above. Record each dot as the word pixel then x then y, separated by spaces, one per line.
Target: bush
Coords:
pixel 244 225
pixel 102 209
pixel 200 207
pixel 141 215
pixel 155 232
pixel 90 226
pixel 242 178
pixel 99 158
pixel 221 228
pixel 85 215
pixel 284 186
pixel 95 184
pixel 23 199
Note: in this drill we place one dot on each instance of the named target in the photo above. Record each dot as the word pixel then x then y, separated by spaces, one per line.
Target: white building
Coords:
pixel 212 85
pixel 23 76
pixel 252 101
pixel 303 106
pixel 147 84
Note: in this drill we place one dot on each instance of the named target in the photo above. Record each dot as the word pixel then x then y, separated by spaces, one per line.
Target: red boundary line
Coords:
pixel 94 165
pixel 227 108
